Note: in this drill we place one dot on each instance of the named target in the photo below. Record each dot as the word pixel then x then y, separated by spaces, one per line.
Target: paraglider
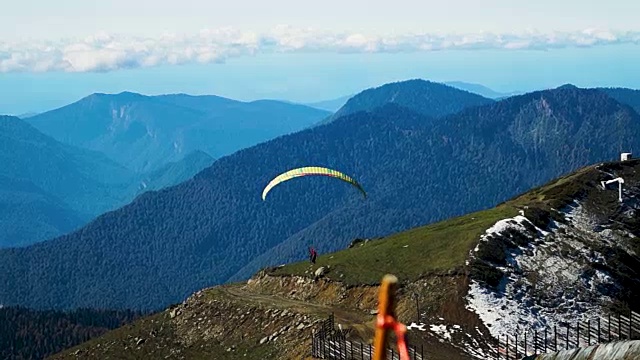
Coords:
pixel 310 170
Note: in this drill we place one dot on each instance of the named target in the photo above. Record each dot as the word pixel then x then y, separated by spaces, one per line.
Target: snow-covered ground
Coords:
pixel 552 277
pixel 456 335
pixel 550 281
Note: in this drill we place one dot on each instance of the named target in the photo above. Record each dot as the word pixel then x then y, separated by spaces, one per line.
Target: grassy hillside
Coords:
pixel 246 320
pixel 444 246
pixel 411 254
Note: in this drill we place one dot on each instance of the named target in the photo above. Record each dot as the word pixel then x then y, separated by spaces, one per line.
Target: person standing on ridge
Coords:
pixel 312 255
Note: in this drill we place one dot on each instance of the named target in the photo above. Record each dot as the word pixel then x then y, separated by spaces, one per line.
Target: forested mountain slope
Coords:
pixel 146 132
pixel 167 244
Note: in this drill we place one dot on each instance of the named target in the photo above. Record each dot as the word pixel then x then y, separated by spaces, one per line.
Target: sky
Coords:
pixel 54 53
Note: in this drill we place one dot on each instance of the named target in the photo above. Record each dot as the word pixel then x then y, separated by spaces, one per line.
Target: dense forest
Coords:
pixel 29 334
pixel 424 97
pixel 48 188
pixel 143 133
pixel 630 97
pixel 168 243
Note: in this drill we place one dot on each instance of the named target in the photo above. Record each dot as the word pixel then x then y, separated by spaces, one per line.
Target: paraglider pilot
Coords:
pixel 312 255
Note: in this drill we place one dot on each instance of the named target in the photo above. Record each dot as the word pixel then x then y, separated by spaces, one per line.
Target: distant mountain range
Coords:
pixel 175 172
pixel 481 90
pixel 143 133
pixel 332 105
pixel 29 214
pixel 425 97
pixel 27 115
pixel 417 168
pixel 48 188
pixel 110 148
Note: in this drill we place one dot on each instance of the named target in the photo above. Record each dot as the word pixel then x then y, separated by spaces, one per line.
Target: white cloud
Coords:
pixel 107 52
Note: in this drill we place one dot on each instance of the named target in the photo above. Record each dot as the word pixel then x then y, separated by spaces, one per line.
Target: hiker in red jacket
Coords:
pixel 312 255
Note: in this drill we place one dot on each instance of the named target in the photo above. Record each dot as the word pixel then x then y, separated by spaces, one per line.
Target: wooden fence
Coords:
pixel 579 334
pixel 331 343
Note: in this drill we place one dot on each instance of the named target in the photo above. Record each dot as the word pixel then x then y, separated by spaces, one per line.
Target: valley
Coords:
pixel 490 212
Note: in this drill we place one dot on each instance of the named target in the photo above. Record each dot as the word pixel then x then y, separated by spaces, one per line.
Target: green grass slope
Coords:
pixel 233 320
pixel 411 254
pixel 444 246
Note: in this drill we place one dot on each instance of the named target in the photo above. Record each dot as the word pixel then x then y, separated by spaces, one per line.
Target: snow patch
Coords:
pixel 456 336
pixel 550 281
pixel 417 326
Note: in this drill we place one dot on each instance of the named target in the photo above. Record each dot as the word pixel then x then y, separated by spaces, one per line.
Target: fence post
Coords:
pixel 421 351
pixel 324 347
pixel 630 317
pixel 516 345
pixel 588 332
pixel 525 342
pixel 567 346
pixel 555 337
pixel 507 337
pixel 619 328
pixel 578 334
pixel 535 342
pixel 545 339
pixel 345 348
pixel 599 330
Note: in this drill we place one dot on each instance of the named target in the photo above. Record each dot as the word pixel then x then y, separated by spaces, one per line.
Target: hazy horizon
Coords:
pixel 52 54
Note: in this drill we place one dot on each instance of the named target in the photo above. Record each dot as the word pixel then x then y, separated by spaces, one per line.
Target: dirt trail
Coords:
pixel 345 316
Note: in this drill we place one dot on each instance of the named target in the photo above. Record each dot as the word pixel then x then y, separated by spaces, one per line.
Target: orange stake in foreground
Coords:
pixel 386 320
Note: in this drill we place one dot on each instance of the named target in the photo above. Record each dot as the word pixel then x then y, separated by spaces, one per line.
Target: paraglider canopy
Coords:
pixel 307 171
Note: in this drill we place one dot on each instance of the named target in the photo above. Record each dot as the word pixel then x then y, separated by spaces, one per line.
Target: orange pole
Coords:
pixel 386 320
pixel 385 309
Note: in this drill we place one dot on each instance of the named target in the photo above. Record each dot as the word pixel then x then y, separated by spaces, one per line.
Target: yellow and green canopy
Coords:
pixel 307 171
